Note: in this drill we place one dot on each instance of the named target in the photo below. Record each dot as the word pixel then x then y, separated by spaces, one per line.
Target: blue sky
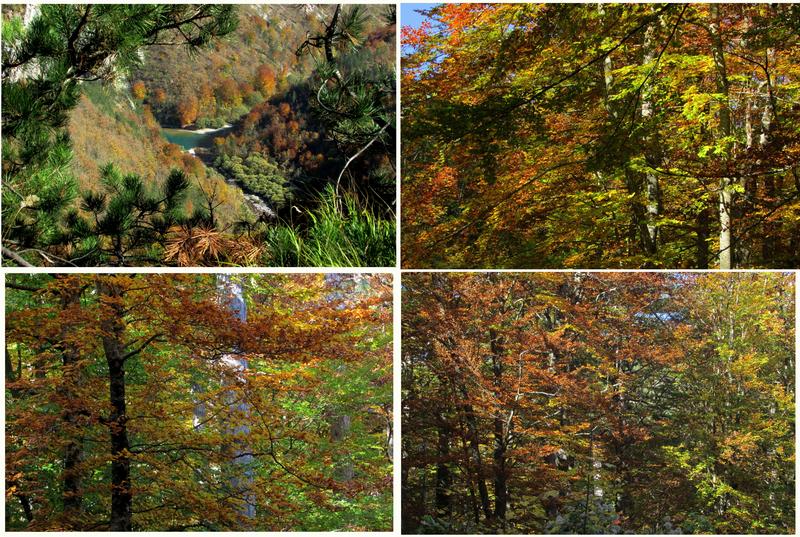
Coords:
pixel 408 15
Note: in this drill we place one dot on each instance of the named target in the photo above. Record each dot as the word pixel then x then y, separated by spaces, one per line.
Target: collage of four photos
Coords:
pixel 441 268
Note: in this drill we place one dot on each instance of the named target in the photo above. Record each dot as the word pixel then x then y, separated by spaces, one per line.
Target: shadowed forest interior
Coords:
pixel 598 403
pixel 195 402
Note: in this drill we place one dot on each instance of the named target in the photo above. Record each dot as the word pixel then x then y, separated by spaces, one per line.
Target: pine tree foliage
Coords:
pixel 44 65
pixel 354 99
pixel 126 220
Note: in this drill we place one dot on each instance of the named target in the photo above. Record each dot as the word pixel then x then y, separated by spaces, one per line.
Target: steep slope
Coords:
pixel 222 83
pixel 107 126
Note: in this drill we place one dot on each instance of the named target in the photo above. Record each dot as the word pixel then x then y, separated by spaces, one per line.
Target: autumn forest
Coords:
pixel 585 322
pixel 194 135
pixel 198 402
pixel 598 403
pixel 601 136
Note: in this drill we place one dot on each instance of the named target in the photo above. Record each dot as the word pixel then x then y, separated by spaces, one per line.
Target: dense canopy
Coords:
pixel 598 403
pixel 602 136
pixel 175 402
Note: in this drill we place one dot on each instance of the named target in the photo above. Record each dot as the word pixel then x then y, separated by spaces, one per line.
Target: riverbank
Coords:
pixel 197 142
pixel 209 130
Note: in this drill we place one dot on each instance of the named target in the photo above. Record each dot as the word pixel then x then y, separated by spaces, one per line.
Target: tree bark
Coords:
pixel 725 183
pixel 500 438
pixel 121 495
pixel 443 475
pixel 472 463
pixel 340 429
pixel 72 378
pixel 637 228
pixel 501 496
pixel 702 230
pixel 771 238
pixel 475 454
pixel 113 345
pixel 653 189
pixel 589 480
pixel 330 32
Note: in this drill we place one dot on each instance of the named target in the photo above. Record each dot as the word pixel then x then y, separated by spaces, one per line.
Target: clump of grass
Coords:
pixel 341 233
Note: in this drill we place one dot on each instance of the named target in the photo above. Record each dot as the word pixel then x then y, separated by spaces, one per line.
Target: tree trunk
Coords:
pixel 389 433
pixel 475 454
pixel 473 464
pixel 500 438
pixel 340 429
pixel 330 32
pixel 724 131
pixel 444 479
pixel 769 107
pixel 500 478
pixel 771 230
pixel 725 224
pixel 476 512
pixel 653 189
pixel 770 241
pixel 748 186
pixel 121 496
pixel 72 378
pixel 702 230
pixel 589 480
pixel 113 346
pixel 637 228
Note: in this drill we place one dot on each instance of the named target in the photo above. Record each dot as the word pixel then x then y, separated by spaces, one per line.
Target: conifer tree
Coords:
pixel 355 103
pixel 127 222
pixel 44 64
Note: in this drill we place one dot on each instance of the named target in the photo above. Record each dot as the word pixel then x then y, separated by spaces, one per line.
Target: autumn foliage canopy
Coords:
pixel 602 136
pixel 598 403
pixel 144 402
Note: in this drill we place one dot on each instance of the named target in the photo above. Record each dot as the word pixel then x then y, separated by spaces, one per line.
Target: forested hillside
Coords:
pixel 195 402
pixel 602 136
pixel 254 63
pixel 192 101
pixel 598 403
pixel 105 127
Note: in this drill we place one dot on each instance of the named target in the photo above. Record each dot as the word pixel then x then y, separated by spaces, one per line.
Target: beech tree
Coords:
pixel 266 80
pixel 187 110
pixel 598 403
pixel 126 409
pixel 664 136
